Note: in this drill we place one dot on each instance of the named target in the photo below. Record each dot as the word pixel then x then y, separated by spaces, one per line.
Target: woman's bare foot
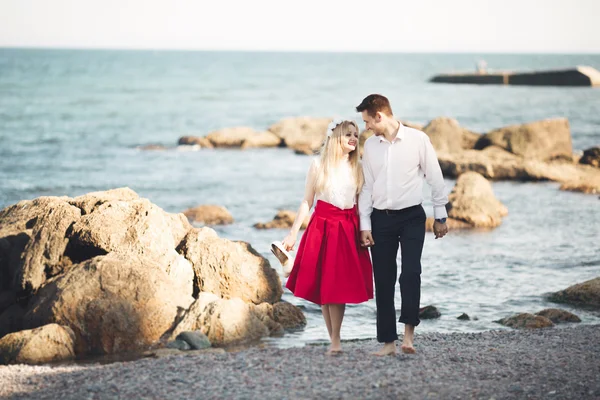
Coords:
pixel 388 349
pixel 332 352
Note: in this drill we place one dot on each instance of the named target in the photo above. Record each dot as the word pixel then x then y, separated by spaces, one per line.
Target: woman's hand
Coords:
pixel 289 242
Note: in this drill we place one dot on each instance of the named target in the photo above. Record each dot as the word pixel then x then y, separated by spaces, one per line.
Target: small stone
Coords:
pixel 463 317
pixel 196 339
pixel 179 345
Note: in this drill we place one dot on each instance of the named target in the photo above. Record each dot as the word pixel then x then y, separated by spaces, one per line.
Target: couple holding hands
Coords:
pixel 370 205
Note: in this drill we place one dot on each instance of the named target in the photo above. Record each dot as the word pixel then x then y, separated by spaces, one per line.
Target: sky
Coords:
pixel 508 26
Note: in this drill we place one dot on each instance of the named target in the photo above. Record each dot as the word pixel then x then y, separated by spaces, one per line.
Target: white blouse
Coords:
pixel 340 190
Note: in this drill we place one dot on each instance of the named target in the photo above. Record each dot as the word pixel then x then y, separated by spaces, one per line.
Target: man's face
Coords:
pixel 374 124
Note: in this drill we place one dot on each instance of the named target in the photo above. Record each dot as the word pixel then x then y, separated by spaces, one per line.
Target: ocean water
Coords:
pixel 70 122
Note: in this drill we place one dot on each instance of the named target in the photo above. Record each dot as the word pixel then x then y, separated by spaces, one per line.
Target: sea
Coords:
pixel 72 122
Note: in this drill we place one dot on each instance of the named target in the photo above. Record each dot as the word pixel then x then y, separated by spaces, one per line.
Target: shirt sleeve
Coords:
pixel 365 199
pixel 433 175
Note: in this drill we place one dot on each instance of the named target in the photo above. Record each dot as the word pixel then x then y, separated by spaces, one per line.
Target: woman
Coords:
pixel 331 269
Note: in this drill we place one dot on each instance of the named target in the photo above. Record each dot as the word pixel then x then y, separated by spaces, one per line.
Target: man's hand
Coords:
pixel 366 239
pixel 440 229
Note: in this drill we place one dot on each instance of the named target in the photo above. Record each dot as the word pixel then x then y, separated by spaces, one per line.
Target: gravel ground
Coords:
pixel 555 363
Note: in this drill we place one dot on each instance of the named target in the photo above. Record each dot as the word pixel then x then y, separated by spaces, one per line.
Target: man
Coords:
pixel 395 161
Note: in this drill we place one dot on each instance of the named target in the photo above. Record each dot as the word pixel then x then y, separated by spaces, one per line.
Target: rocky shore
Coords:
pixel 534 151
pixel 532 364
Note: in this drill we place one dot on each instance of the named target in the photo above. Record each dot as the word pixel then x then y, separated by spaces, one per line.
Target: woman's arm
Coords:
pixel 304 209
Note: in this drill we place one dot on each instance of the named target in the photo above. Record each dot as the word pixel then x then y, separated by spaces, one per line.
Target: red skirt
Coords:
pixel 330 266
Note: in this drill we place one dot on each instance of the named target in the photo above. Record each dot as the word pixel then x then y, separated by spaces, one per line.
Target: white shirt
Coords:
pixel 394 174
pixel 340 190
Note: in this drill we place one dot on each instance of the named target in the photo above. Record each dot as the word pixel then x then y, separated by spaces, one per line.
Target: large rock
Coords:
pixel 135 227
pixel 42 345
pixel 585 294
pixel 558 316
pixel 472 201
pixel 526 321
pixel 591 157
pixel 33 239
pixel 243 137
pixel 113 303
pixel 496 163
pixel 453 224
pixel 447 136
pixel 262 139
pixel 230 269
pixel 11 320
pixel 541 140
pixel 301 132
pixel 493 163
pixel 209 215
pixel 288 315
pixel 89 202
pixel 283 220
pixel 226 321
pixel 200 141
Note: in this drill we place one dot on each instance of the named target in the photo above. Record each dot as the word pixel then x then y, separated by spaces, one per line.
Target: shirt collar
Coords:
pixel 399 135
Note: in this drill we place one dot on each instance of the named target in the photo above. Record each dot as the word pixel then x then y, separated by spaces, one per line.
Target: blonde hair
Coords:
pixel 332 153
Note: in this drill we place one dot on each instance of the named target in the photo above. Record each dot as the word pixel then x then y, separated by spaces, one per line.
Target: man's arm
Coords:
pixel 433 175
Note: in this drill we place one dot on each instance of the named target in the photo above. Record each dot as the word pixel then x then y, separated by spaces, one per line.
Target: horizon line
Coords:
pixel 233 50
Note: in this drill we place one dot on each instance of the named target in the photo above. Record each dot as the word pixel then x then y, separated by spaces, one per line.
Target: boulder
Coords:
pixel 526 321
pixel 472 201
pixel 135 227
pixel 209 215
pixel 196 339
pixel 463 317
pixel 113 303
pixel 453 224
pixel 42 345
pixel 243 137
pixel 230 269
pixel 429 312
pixel 7 299
pixel 89 202
pixel 223 321
pixel 558 316
pixel 447 136
pixel 497 164
pixel 288 315
pixel 283 220
pixel 262 139
pixel 11 320
pixel 301 132
pixel 34 239
pixel 585 294
pixel 591 157
pixel 305 150
pixel 200 141
pixel 541 140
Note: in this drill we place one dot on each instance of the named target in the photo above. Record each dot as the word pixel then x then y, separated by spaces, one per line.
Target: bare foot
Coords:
pixel 334 351
pixel 408 349
pixel 388 349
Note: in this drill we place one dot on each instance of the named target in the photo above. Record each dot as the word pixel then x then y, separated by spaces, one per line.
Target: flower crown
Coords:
pixel 332 125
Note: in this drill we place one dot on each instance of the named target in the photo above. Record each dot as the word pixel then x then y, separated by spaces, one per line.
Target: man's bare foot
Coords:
pixel 408 349
pixel 388 349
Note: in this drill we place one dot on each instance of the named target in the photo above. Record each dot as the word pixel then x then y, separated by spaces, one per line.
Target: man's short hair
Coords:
pixel 375 103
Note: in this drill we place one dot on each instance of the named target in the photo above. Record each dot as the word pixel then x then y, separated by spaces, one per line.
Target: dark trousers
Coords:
pixel 404 228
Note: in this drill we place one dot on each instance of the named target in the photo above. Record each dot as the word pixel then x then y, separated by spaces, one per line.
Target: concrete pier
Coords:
pixel 579 76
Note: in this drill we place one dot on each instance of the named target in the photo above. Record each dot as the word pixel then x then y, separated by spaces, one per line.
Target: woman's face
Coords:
pixel 350 140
